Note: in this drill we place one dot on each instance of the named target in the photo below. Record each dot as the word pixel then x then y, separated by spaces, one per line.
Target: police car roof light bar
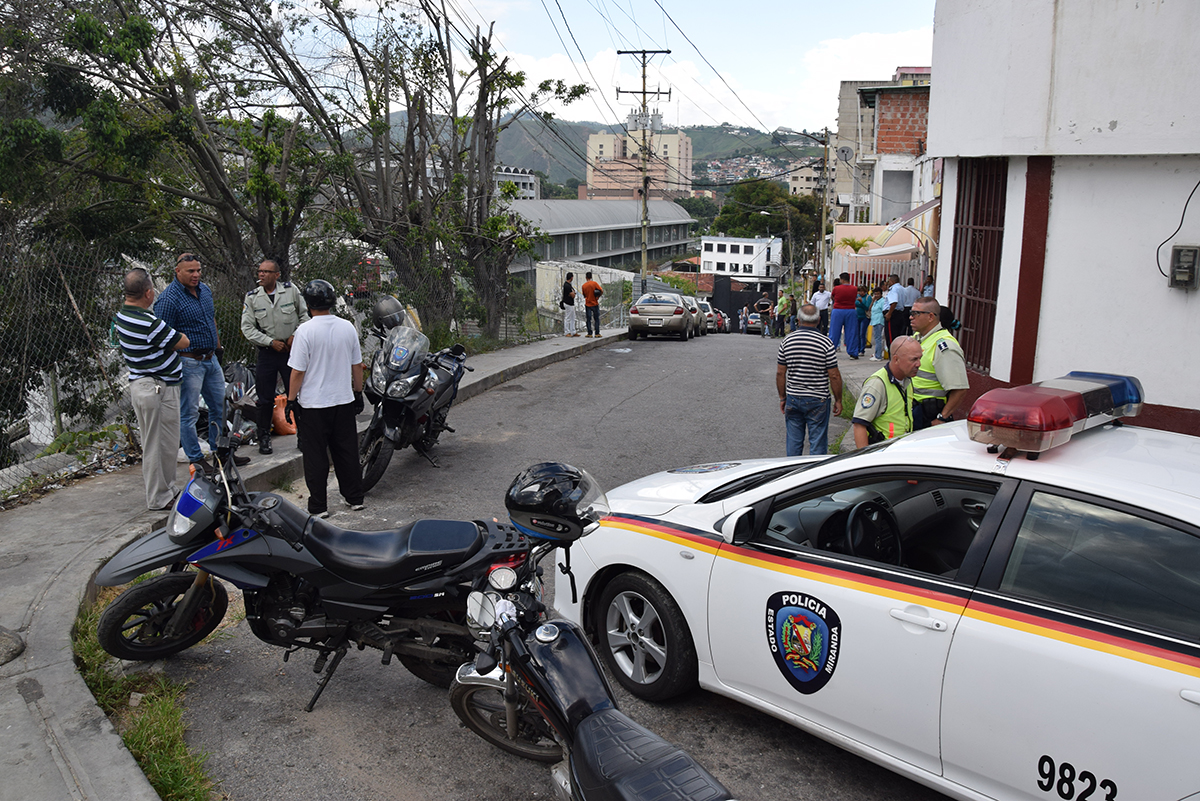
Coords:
pixel 1038 417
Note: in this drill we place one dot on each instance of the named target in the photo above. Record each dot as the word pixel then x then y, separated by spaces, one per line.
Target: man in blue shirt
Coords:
pixel 187 306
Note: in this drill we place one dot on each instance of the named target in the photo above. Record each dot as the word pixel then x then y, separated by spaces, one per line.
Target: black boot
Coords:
pixel 264 443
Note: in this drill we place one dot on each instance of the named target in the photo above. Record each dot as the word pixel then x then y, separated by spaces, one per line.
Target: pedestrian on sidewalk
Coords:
pixel 878 323
pixel 806 375
pixel 155 369
pixel 187 306
pixel 591 305
pixel 911 293
pixel 567 304
pixel 763 307
pixel 941 381
pixel 862 315
pixel 896 317
pixel 271 313
pixel 822 298
pixel 324 397
pixel 842 321
pixel 885 405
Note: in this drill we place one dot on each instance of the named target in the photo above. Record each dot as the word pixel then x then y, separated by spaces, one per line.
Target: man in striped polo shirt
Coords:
pixel 149 346
pixel 805 376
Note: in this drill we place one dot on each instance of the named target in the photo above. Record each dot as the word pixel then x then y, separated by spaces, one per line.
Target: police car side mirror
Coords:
pixel 737 527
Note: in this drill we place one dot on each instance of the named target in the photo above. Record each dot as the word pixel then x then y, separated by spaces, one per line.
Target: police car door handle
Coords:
pixel 1191 696
pixel 919 620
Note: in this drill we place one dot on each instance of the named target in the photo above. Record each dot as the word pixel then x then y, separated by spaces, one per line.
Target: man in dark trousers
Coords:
pixel 324 397
pixel 270 316
pixel 763 307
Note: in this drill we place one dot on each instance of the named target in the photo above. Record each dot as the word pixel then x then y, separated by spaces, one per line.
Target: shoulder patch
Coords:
pixel 942 345
pixel 287 284
pixel 868 400
pixel 251 292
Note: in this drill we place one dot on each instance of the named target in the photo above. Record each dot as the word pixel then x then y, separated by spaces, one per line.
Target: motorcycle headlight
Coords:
pixel 378 381
pixel 402 386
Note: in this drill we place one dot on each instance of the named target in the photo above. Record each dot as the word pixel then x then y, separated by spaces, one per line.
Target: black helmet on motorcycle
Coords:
pixel 388 313
pixel 555 501
pixel 319 294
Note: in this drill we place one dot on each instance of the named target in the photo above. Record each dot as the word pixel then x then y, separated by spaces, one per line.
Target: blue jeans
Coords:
pixel 863 324
pixel 878 335
pixel 813 414
pixel 844 320
pixel 200 378
pixel 592 318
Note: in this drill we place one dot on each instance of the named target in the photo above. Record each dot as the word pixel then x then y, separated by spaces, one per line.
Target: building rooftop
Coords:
pixel 567 216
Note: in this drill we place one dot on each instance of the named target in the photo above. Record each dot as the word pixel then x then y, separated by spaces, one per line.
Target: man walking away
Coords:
pixel 822 298
pixel 842 321
pixel 941 381
pixel 324 397
pixel 763 307
pixel 806 374
pixel 591 305
pixel 187 306
pixel 271 314
pixel 149 346
pixel 567 304
pixel 884 408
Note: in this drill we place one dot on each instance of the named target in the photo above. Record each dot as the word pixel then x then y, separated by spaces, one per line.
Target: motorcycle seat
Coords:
pixel 615 759
pixel 384 558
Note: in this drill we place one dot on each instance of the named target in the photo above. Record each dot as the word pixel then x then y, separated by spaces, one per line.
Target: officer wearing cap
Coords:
pixel 271 314
pixel 941 380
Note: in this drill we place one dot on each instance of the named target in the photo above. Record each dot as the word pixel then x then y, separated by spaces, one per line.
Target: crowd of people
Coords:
pixel 923 379
pixel 172 346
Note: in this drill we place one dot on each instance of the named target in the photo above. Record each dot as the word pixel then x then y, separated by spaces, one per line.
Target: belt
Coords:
pixel 198 355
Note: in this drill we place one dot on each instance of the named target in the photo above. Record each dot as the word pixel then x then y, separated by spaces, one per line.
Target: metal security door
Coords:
pixel 975 261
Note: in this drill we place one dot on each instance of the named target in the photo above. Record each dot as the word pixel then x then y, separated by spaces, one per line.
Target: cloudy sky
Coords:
pixel 762 64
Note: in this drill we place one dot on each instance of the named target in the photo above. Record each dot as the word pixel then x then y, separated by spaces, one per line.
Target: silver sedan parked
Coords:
pixel 661 313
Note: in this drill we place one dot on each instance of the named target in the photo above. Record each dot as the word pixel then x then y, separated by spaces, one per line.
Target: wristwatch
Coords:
pixel 945 419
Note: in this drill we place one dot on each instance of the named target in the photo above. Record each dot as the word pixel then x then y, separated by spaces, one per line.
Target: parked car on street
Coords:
pixel 967 605
pixel 660 313
pixel 754 324
pixel 699 323
pixel 711 317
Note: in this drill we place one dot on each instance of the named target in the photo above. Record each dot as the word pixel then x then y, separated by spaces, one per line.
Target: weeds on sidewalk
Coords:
pixel 153 729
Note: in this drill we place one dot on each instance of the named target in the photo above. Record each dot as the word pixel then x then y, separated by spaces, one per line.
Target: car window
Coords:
pixel 935 520
pixel 671 299
pixel 1107 561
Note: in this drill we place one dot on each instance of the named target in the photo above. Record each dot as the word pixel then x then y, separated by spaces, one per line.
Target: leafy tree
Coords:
pixel 702 208
pixel 855 244
pixel 742 214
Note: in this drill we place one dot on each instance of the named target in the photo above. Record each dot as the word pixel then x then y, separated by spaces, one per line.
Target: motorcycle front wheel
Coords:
pixel 374 453
pixel 482 710
pixel 134 625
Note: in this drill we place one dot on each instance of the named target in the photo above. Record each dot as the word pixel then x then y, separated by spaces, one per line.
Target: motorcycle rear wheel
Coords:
pixel 132 625
pixel 374 453
pixel 482 710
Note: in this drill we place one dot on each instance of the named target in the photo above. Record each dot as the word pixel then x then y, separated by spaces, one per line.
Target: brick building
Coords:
pixel 896 171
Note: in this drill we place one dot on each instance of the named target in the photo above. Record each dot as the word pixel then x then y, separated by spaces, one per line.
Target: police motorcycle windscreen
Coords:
pixel 403 350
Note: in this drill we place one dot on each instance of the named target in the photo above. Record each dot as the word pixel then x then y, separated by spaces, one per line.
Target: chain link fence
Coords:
pixel 64 406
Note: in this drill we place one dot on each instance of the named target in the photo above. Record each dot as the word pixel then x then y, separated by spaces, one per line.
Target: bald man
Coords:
pixel 884 408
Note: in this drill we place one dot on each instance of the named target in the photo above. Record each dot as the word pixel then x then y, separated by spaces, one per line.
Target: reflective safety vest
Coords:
pixel 897 418
pixel 925 383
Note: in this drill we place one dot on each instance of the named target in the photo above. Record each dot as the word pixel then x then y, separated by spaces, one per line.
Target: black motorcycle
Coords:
pixel 411 389
pixel 537 689
pixel 306 583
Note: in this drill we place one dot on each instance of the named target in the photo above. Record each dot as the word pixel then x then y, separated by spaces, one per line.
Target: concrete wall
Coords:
pixel 1064 77
pixel 1105 306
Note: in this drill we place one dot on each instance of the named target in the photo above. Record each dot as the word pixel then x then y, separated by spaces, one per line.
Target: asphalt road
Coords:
pixel 620 412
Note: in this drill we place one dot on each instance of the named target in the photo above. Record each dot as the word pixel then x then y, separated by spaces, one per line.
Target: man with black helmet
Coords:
pixel 270 315
pixel 324 397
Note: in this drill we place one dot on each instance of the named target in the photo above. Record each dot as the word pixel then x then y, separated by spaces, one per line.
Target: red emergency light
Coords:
pixel 1038 417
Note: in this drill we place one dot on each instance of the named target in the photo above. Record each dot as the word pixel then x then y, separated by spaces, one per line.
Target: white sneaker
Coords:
pixel 874 359
pixel 355 507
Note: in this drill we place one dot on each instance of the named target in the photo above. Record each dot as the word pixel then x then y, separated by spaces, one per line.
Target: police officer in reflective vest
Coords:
pixel 884 408
pixel 941 380
pixel 271 314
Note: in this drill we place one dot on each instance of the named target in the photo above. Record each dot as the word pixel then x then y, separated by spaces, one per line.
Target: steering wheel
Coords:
pixel 872 533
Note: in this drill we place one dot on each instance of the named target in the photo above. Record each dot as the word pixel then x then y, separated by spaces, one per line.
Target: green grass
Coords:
pixel 154 730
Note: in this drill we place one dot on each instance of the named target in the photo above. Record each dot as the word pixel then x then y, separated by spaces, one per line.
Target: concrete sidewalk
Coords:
pixel 55 743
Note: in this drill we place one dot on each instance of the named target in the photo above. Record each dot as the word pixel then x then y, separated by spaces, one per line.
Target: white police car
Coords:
pixel 1004 607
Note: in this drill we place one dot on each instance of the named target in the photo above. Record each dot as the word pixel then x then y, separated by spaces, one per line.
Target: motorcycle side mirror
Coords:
pixel 737 527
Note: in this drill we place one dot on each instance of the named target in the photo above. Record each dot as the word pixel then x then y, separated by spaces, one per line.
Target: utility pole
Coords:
pixel 644 55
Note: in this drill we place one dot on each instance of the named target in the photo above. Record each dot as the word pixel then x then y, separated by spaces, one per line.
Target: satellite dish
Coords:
pixel 845 153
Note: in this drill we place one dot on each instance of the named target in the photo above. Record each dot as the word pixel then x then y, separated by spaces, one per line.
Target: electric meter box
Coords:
pixel 1185 267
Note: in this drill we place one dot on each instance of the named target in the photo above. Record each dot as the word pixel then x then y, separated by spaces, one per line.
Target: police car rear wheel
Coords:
pixel 644 638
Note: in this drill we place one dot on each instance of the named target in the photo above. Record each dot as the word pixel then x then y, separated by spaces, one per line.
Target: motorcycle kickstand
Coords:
pixel 428 456
pixel 337 659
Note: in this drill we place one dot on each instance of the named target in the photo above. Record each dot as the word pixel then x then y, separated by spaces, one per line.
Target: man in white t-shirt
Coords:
pixel 324 397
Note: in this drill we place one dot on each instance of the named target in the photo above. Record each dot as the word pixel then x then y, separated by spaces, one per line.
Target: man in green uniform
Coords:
pixel 941 380
pixel 271 314
pixel 884 408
